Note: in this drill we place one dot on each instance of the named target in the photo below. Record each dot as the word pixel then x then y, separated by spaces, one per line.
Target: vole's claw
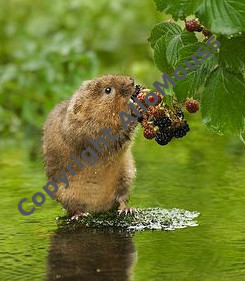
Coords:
pixel 127 210
pixel 80 216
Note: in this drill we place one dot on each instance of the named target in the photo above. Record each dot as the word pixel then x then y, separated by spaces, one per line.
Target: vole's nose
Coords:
pixel 132 81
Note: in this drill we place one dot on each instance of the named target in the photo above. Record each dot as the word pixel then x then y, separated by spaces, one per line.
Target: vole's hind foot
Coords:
pixel 123 209
pixel 127 210
pixel 80 215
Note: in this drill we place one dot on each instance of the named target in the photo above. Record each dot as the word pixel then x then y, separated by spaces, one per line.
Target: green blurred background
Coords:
pixel 47 49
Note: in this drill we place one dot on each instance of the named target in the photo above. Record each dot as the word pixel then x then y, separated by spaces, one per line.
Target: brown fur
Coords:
pixel 67 130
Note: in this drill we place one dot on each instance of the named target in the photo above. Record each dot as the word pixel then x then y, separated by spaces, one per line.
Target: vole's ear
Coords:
pixel 85 85
pixel 77 98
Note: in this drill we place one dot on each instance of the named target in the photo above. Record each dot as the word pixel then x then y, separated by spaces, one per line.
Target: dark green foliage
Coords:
pixel 218 81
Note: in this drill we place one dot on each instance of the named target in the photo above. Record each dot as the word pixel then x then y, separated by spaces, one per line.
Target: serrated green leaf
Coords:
pixel 178 9
pixel 193 83
pixel 175 42
pixel 186 51
pixel 160 55
pixel 161 29
pixel 223 102
pixel 222 17
pixel 232 54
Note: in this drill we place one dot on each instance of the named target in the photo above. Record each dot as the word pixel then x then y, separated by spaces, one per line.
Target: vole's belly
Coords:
pixel 91 191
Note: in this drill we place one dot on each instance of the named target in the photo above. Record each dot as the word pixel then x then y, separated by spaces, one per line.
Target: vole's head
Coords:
pixel 99 101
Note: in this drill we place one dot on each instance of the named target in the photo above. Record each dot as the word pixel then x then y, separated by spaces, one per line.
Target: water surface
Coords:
pixel 203 172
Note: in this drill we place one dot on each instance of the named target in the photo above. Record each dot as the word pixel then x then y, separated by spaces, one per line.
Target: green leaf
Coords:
pixel 232 54
pixel 161 29
pixel 223 102
pixel 167 38
pixel 175 42
pixel 186 51
pixel 160 55
pixel 222 16
pixel 178 9
pixel 193 83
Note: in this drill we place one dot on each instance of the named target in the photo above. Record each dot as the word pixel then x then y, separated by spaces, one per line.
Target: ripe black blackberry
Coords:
pixel 186 127
pixel 167 131
pixel 179 113
pixel 181 131
pixel 137 91
pixel 163 137
pixel 140 119
pixel 163 122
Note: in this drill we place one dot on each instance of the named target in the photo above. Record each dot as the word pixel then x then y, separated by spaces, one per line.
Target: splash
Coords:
pixel 145 219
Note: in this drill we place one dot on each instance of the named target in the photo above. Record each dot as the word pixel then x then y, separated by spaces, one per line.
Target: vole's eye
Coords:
pixel 107 90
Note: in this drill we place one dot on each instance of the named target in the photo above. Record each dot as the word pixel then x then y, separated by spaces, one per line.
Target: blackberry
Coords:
pixel 163 137
pixel 163 122
pixel 149 133
pixel 140 119
pixel 167 132
pixel 191 105
pixel 152 99
pixel 179 132
pixel 186 127
pixel 156 112
pixel 141 97
pixel 179 113
pixel 193 25
pixel 137 91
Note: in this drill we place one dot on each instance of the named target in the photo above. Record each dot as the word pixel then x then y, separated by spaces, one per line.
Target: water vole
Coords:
pixel 68 130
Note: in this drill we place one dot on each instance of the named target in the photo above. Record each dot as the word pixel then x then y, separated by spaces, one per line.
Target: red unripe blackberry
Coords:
pixel 149 133
pixel 141 98
pixel 156 112
pixel 159 114
pixel 152 99
pixel 191 105
pixel 193 25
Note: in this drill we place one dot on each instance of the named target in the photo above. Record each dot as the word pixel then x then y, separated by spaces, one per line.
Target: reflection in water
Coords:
pixel 91 254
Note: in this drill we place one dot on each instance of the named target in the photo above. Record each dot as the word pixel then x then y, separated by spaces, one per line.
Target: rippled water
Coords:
pixel 203 172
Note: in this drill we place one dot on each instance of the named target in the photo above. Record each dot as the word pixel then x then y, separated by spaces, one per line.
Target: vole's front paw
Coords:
pixel 80 215
pixel 127 210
